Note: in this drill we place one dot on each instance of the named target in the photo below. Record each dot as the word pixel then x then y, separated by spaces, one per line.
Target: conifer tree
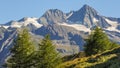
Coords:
pixel 22 51
pixel 47 56
pixel 98 42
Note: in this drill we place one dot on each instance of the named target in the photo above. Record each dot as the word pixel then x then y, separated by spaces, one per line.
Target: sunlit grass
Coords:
pixel 108 59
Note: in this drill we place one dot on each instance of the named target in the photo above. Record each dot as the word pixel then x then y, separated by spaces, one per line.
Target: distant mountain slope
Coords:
pixel 6 44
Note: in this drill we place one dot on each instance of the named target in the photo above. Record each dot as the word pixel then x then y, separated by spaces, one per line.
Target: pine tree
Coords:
pixel 47 57
pixel 22 51
pixel 98 42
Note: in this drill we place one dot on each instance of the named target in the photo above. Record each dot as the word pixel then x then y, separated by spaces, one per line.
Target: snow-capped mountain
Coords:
pixel 89 17
pixel 67 30
pixel 54 16
pixel 23 22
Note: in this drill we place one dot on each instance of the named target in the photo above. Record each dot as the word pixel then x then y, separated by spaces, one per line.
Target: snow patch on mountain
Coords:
pixel 5 27
pixel 113 26
pixel 95 20
pixel 16 24
pixel 77 27
pixel 32 21
pixel 25 22
pixel 112 29
pixel 112 23
pixel 69 15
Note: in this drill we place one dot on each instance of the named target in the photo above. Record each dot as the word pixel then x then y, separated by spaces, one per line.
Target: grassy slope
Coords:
pixel 108 59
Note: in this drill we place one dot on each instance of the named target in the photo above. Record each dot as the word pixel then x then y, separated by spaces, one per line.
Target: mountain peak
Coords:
pixel 84 13
pixel 86 6
pixel 54 15
pixel 89 10
pixel 23 19
pixel 53 11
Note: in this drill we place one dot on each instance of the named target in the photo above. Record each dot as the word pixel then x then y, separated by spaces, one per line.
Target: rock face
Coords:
pixel 67 30
pixel 59 33
pixel 54 16
pixel 88 17
pixel 6 43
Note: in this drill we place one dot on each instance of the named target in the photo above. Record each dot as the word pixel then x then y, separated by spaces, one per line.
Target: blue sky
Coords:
pixel 17 9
